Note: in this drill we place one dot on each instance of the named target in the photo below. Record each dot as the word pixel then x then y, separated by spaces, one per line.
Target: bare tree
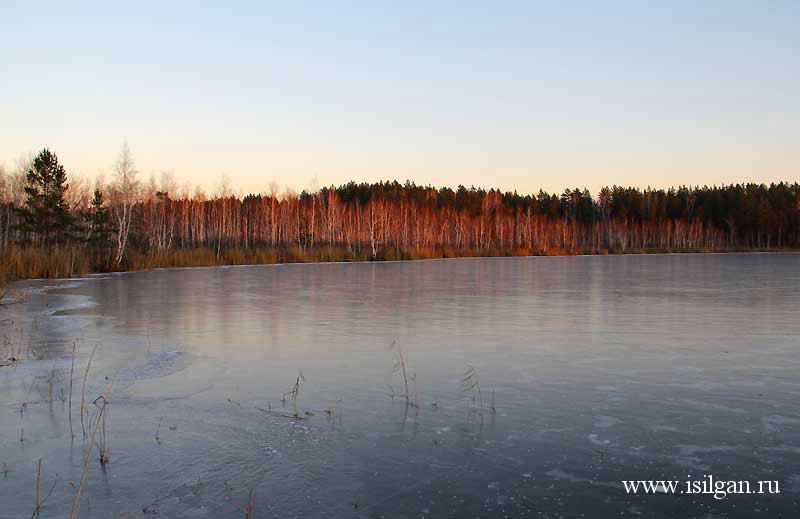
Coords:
pixel 273 195
pixel 6 207
pixel 126 188
pixel 79 195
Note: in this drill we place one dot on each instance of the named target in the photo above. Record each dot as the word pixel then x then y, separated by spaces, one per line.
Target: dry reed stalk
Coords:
pixel 38 478
pixel 103 442
pixel 76 502
pixel 40 502
pixel 50 379
pixel 83 389
pixel 295 394
pixel 400 366
pixel 248 510
pixel 22 407
pixel 158 428
pixel 416 390
pixel 471 385
pixel 71 372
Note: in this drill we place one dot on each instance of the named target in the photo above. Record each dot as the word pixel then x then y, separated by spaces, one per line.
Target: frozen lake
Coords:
pixel 603 369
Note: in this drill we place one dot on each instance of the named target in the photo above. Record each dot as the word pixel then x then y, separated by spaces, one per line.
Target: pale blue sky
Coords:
pixel 518 95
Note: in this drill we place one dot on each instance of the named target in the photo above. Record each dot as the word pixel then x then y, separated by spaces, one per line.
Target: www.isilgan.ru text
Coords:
pixel 720 489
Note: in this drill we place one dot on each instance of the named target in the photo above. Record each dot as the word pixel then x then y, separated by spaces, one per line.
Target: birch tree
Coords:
pixel 126 188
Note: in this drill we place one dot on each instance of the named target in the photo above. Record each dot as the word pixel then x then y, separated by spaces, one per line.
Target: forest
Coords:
pixel 53 227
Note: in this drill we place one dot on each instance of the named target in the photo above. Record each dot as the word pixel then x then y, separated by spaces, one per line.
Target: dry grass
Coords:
pixel 22 407
pixel 103 441
pixel 294 394
pixel 400 366
pixel 59 261
pixel 38 478
pixel 71 376
pixel 158 430
pixel 294 397
pixel 471 387
pixel 205 257
pixel 24 262
pixel 41 501
pixel 97 422
pixel 83 390
pixel 51 377
pixel 250 507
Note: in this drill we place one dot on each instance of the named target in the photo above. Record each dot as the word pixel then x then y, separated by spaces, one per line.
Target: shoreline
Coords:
pixel 166 262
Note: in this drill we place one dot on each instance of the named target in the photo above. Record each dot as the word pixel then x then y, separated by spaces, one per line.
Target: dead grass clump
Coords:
pixel 71 376
pixel 93 427
pixel 250 507
pixel 102 444
pixel 400 366
pixel 40 502
pixel 471 387
pixel 57 261
pixel 294 394
pixel 83 390
pixel 293 397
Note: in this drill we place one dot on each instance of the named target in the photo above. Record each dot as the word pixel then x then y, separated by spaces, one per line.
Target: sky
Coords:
pixel 516 95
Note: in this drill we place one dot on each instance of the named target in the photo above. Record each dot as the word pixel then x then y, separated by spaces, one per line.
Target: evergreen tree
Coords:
pixel 97 221
pixel 97 228
pixel 45 215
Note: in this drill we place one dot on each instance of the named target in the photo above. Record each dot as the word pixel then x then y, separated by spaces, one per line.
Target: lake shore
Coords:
pixel 20 263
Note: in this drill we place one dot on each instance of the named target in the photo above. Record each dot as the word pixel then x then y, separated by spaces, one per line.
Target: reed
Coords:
pixel 400 366
pixel 332 412
pixel 58 261
pixel 294 396
pixel 471 387
pixel 82 482
pixel 83 389
pixel 250 507
pixel 22 408
pixel 158 428
pixel 416 390
pixel 294 393
pixel 50 380
pixel 71 376
pixel 62 261
pixel 38 478
pixel 103 442
pixel 40 502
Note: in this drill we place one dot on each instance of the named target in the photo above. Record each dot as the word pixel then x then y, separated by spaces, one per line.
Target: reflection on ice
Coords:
pixel 599 378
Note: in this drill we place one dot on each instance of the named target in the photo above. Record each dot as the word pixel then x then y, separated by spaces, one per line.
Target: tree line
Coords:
pixel 385 219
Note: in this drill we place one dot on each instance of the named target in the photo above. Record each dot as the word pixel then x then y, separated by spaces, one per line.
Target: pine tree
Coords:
pixel 97 221
pixel 97 228
pixel 45 215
